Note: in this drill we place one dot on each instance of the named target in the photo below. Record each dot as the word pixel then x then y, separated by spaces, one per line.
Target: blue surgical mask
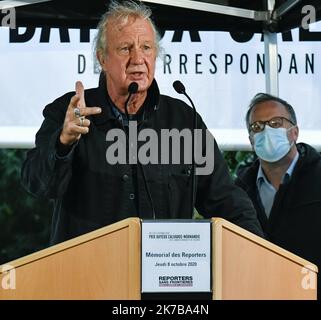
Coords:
pixel 272 144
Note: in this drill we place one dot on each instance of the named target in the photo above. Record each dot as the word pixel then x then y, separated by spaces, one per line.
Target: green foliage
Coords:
pixel 24 220
pixel 237 159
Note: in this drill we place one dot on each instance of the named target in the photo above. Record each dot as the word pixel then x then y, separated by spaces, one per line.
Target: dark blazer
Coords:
pixel 295 218
pixel 90 193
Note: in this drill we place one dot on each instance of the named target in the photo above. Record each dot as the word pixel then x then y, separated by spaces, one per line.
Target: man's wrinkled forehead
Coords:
pixel 118 24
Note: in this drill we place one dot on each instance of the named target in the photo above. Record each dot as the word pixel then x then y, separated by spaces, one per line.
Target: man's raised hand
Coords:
pixel 75 123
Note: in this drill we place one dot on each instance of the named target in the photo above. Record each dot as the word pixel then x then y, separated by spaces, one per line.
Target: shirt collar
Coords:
pixel 262 178
pixel 292 165
pixel 116 112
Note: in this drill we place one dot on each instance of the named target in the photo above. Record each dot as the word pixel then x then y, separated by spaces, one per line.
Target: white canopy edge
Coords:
pixel 227 139
pixel 12 3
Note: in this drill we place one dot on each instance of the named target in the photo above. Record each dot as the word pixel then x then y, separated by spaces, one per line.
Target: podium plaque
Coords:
pixel 176 256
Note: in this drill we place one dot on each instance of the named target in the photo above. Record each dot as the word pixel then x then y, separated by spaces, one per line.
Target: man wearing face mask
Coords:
pixel 285 182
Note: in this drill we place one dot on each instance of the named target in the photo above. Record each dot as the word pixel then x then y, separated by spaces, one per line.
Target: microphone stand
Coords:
pixel 179 88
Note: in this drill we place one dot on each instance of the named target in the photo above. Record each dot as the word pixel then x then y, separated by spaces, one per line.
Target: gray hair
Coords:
pixel 263 97
pixel 122 11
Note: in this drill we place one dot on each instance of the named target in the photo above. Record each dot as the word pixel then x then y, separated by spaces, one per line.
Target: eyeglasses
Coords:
pixel 276 122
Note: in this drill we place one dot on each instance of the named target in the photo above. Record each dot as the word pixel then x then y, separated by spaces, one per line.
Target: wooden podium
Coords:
pixel 105 264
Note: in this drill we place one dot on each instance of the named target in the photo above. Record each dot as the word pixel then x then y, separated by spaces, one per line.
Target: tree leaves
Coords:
pixel 24 220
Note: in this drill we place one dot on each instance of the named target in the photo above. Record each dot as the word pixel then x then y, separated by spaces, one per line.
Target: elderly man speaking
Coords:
pixel 80 160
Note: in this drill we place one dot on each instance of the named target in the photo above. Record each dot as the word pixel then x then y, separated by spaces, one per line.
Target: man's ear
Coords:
pixel 101 59
pixel 295 133
pixel 251 141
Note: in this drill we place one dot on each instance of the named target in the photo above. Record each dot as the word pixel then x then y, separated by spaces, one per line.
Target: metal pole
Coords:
pixel 285 7
pixel 271 63
pixel 271 58
pixel 214 8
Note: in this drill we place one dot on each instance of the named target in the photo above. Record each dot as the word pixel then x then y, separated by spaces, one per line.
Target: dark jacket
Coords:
pixel 295 218
pixel 90 193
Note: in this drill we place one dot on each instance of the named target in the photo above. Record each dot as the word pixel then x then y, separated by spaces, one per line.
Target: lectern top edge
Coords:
pixel 219 222
pixel 72 242
pixel 135 222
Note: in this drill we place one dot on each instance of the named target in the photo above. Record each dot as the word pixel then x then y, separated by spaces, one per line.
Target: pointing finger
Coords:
pixel 80 91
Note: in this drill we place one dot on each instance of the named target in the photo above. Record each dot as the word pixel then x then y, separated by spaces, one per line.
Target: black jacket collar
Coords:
pixel 99 98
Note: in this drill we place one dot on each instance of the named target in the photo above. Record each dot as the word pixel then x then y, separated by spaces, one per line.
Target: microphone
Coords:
pixel 132 89
pixel 180 88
